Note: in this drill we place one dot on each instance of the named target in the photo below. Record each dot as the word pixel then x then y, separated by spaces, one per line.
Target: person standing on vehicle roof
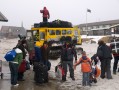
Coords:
pixel 46 14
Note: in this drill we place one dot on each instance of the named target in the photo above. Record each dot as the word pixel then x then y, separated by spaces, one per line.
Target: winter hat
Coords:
pixel 44 8
pixel 83 53
pixel 101 42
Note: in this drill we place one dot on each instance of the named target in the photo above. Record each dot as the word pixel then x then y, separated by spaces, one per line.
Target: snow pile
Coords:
pixel 93 38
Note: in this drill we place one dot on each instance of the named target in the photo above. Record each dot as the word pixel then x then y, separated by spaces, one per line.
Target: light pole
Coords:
pixel 88 10
pixel 86 25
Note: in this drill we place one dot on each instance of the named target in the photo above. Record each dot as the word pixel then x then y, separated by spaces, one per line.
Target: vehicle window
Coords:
pixel 58 32
pixel 63 32
pixel 52 32
pixel 69 32
pixel 42 35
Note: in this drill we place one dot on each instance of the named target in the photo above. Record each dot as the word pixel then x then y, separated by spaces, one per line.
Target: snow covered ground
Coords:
pixel 102 84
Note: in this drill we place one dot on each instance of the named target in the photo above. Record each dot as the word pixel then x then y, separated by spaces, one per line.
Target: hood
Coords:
pixel 44 8
pixel 17 50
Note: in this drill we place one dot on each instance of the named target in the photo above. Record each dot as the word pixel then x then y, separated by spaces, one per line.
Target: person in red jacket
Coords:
pixel 46 14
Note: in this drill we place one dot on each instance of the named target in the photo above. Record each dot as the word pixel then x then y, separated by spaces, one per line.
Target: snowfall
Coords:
pixel 90 48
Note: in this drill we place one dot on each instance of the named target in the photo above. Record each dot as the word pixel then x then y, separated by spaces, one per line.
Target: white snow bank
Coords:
pixel 94 38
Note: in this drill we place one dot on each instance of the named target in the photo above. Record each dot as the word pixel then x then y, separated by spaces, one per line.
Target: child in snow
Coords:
pixel 85 68
pixel 95 70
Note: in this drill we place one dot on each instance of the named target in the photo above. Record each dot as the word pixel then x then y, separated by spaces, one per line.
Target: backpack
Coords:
pixel 10 55
pixel 85 65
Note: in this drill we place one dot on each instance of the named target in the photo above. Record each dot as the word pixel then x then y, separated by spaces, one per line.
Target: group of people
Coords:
pixel 68 52
pixel 19 64
pixel 103 54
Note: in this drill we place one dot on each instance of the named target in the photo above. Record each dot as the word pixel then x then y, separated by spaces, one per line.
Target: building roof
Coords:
pixel 3 18
pixel 110 22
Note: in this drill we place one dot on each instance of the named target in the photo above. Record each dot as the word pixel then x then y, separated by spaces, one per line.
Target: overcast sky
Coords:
pixel 74 11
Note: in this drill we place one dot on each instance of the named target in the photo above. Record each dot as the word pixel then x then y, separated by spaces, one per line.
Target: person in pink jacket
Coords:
pixel 46 14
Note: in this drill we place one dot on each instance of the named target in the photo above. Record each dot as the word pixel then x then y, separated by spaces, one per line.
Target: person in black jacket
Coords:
pixel 105 56
pixel 22 45
pixel 45 54
pixel 67 54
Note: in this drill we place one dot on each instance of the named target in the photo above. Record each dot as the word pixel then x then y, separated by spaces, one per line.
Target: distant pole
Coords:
pixel 86 24
pixel 88 10
pixel 22 24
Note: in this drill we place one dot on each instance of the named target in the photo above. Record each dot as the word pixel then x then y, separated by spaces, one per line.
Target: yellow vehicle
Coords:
pixel 55 35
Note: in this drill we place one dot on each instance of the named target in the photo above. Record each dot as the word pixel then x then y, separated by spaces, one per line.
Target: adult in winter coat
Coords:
pixel 45 55
pixel 115 54
pixel 105 56
pixel 22 46
pixel 67 54
pixel 14 65
pixel 46 14
pixel 85 68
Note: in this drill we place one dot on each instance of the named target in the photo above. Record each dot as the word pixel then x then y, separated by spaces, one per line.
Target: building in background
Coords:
pixel 98 28
pixel 12 31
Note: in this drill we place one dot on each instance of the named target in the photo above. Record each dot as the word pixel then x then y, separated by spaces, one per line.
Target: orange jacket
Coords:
pixel 85 64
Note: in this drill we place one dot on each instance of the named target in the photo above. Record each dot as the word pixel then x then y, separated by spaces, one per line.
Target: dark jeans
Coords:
pixel 116 59
pixel 71 70
pixel 86 79
pixel 45 19
pixel 20 76
pixel 105 68
pixel 47 63
pixel 14 72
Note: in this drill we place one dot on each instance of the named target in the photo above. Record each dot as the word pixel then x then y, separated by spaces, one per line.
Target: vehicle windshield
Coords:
pixel 36 35
pixel 75 32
